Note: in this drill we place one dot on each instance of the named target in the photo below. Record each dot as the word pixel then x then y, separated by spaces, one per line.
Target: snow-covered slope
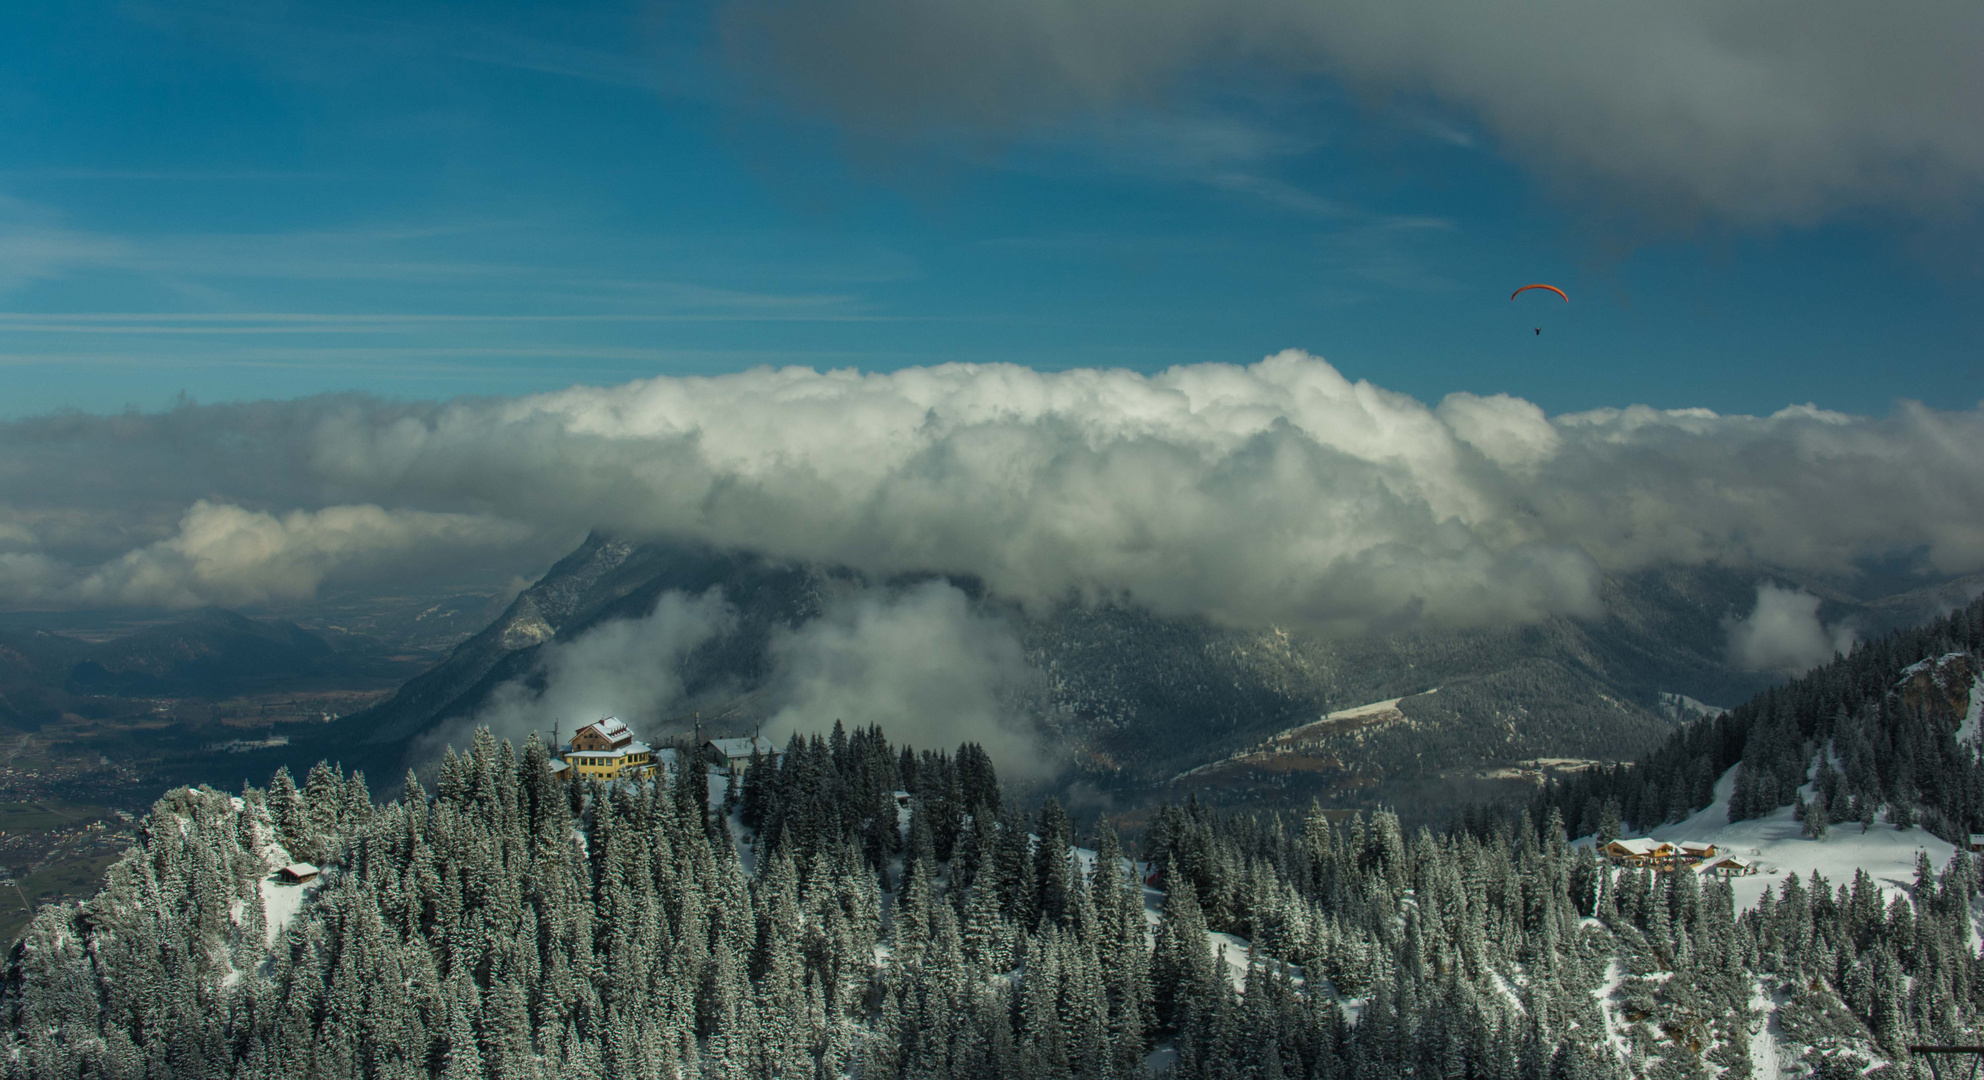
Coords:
pixel 1777 844
pixel 1681 708
pixel 282 901
pixel 1966 733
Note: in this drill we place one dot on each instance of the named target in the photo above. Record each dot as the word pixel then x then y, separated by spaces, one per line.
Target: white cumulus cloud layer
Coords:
pixel 228 555
pixel 1279 492
pixel 1783 633
pixel 224 554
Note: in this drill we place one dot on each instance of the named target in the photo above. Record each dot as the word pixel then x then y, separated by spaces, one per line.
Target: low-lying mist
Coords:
pixel 923 662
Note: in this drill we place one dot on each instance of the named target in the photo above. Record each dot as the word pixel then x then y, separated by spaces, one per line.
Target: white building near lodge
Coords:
pixel 735 754
pixel 606 751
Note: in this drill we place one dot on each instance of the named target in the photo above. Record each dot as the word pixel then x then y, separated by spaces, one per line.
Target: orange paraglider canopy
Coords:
pixel 1552 288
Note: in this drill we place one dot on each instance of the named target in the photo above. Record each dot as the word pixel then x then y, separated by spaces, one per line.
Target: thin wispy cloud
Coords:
pixel 563 287
pixel 1280 193
pixel 189 176
pixel 800 309
pixel 1202 148
pixel 1755 113
pixel 337 43
pixel 407 361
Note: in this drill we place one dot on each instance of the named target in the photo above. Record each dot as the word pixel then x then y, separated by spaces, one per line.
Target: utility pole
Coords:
pixel 1933 1052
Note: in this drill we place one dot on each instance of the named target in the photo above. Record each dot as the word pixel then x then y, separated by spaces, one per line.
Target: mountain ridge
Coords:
pixel 208 651
pixel 1130 699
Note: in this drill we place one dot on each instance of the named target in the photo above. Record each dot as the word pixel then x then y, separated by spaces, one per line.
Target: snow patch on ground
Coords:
pixel 1376 712
pixel 1153 912
pixel 741 836
pixel 1509 993
pixel 1084 859
pixel 281 901
pixel 1237 951
pixel 1361 711
pixel 1966 733
pixel 1766 1051
pixel 1682 708
pixel 1615 1032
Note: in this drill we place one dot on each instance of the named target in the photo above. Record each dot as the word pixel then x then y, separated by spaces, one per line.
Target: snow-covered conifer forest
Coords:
pixel 506 924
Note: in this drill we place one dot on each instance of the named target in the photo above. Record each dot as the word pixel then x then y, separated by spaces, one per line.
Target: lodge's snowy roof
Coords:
pixel 609 729
pixel 1641 846
pixel 299 870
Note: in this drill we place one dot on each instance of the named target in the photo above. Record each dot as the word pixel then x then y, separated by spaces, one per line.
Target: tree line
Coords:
pixel 1872 751
pixel 808 924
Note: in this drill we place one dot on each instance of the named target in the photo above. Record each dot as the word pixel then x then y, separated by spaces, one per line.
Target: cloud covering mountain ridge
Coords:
pixel 1276 493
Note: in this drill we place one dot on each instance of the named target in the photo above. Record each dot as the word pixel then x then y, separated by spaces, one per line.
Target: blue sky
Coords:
pixel 253 201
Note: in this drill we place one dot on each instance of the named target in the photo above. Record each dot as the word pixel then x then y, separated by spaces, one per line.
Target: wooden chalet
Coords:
pixel 1641 852
pixel 1726 866
pixel 606 750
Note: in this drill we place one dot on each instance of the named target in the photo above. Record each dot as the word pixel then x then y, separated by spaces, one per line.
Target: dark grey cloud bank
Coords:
pixel 1277 493
pixel 1759 111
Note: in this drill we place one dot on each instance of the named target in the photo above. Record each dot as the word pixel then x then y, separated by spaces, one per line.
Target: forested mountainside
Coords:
pixel 1881 733
pixel 210 651
pixel 1131 699
pixel 509 925
pixel 602 581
